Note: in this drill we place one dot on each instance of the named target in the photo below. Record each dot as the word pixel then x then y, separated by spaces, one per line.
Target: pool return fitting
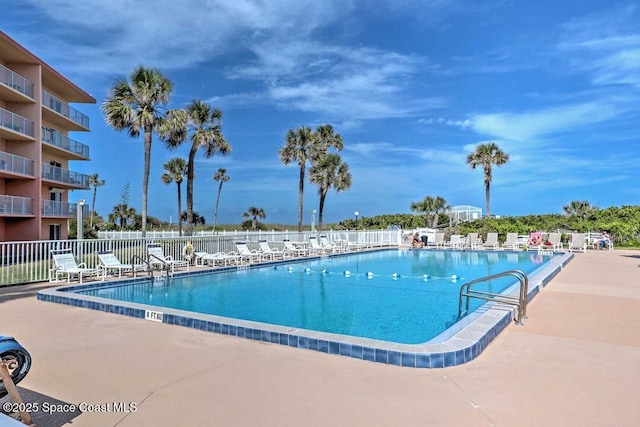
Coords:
pixel 520 301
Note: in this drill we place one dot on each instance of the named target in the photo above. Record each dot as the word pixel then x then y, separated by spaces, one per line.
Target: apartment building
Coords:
pixel 36 147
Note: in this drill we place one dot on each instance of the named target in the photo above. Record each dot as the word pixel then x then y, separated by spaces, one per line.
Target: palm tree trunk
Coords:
pixel 179 210
pixel 145 180
pixel 215 215
pixel 93 206
pixel 434 224
pixel 254 222
pixel 487 195
pixel 300 191
pixel 320 210
pixel 190 174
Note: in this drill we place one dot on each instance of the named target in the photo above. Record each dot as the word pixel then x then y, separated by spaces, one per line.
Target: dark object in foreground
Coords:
pixel 17 358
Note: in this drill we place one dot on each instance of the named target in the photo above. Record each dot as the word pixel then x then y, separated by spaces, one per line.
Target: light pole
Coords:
pixel 356 213
pixel 313 220
pixel 79 235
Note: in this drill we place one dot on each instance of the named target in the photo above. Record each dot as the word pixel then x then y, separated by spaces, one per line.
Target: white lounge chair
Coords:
pixel 156 257
pixel 325 243
pixel 456 241
pixel 472 241
pixel 220 259
pixel 511 242
pixel 295 250
pixel 578 243
pixel 317 247
pixel 492 241
pixel 554 239
pixel 274 252
pixel 438 240
pixel 65 265
pixel 108 262
pixel 250 255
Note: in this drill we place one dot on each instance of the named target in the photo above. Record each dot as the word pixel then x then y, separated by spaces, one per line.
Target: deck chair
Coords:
pixel 294 250
pixel 156 257
pixel 578 243
pixel 274 252
pixel 492 241
pixel 438 240
pixel 325 243
pixel 456 241
pixel 554 239
pixel 317 248
pixel 65 265
pixel 249 255
pixel 108 262
pixel 511 242
pixel 472 241
pixel 220 259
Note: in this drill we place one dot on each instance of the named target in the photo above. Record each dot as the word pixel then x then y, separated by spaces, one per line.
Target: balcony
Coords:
pixel 15 206
pixel 14 127
pixel 52 208
pixel 11 166
pixel 64 178
pixel 14 87
pixel 60 113
pixel 70 146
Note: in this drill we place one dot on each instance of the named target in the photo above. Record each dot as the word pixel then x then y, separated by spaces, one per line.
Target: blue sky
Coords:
pixel 412 86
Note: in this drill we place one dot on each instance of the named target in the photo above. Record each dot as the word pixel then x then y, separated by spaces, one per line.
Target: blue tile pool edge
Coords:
pixel 464 346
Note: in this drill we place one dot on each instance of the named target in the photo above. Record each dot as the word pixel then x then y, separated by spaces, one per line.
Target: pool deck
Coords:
pixel 574 362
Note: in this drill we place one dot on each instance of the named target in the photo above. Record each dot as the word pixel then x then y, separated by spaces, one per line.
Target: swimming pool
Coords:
pixel 396 301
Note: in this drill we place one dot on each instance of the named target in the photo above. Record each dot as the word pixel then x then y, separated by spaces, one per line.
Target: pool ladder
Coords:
pixel 520 301
pixel 165 265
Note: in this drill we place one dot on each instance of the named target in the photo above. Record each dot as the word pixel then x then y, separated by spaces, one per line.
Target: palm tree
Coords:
pixel 121 214
pixel 325 138
pixel 254 213
pixel 330 171
pixel 94 182
pixel 302 145
pixel 297 148
pixel 439 205
pixel 197 218
pixel 487 155
pixel 580 208
pixel 176 170
pixel 220 175
pixel 426 206
pixel 202 124
pixel 135 105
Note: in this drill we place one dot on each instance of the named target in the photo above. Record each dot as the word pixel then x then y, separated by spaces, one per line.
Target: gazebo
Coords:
pixel 464 213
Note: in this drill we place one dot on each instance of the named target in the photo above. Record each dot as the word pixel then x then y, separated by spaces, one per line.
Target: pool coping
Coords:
pixel 473 335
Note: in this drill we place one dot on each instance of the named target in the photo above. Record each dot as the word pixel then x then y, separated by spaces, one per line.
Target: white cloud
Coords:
pixel 527 126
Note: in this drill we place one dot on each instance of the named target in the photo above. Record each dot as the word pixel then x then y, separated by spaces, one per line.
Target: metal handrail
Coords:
pixel 520 302
pixel 162 261
pixel 144 261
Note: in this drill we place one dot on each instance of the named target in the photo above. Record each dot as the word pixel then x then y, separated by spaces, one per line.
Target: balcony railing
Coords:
pixel 16 164
pixel 16 81
pixel 63 108
pixel 53 137
pixel 60 209
pixel 65 176
pixel 16 205
pixel 15 122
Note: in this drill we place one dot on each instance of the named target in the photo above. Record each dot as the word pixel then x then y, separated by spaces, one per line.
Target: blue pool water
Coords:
pixel 384 296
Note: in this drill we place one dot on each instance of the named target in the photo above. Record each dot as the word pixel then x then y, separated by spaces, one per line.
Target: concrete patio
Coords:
pixel 575 362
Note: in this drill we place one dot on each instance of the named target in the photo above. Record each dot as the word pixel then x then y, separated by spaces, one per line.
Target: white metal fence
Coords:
pixel 25 262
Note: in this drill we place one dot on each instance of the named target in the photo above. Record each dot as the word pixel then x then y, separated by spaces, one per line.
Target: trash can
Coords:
pixel 424 239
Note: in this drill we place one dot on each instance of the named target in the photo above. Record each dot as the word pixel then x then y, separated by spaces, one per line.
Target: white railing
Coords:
pixel 25 262
pixel 16 81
